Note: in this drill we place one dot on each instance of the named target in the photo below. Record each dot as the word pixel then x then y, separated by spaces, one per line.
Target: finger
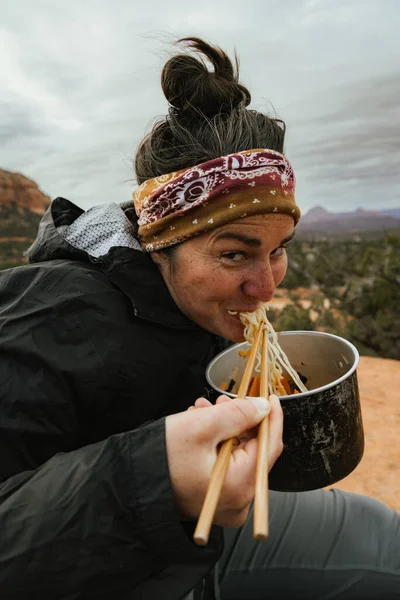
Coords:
pixel 275 430
pixel 222 399
pixel 242 468
pixel 202 403
pixel 248 435
pixel 232 518
pixel 230 419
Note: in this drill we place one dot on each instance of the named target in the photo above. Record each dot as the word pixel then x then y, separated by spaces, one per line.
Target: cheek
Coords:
pixel 197 280
pixel 212 285
pixel 217 285
pixel 279 269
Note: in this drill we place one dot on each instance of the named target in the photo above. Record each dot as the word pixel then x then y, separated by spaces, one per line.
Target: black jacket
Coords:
pixel 93 355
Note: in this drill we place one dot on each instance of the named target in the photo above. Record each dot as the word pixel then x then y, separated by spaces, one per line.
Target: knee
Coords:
pixel 375 531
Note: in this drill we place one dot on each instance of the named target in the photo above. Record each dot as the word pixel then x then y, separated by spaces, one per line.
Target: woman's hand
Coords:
pixel 193 438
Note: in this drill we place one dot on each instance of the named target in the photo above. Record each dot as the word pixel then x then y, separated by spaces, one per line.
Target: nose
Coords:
pixel 260 283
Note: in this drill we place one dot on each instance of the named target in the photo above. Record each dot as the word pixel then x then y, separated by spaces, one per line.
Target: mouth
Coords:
pixel 239 311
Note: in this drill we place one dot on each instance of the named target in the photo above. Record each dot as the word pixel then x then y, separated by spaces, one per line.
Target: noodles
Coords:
pixel 278 362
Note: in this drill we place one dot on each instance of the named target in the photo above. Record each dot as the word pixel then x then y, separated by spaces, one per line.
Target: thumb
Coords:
pixel 230 419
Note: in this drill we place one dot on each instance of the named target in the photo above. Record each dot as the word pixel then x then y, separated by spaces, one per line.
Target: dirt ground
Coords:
pixel 378 474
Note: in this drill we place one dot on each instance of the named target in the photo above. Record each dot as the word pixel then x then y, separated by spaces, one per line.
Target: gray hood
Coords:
pixel 67 231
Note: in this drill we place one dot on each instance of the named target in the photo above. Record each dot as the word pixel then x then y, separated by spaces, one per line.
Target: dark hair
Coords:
pixel 208 115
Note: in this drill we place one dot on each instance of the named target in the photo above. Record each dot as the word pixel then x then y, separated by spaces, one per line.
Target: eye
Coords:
pixel 280 251
pixel 234 257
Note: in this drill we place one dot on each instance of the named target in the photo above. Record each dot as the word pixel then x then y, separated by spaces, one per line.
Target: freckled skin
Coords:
pixel 211 274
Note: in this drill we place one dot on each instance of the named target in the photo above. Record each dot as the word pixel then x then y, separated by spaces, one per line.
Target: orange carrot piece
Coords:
pixel 255 386
pixel 286 385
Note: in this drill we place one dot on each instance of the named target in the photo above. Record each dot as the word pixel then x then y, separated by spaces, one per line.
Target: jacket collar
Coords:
pixel 129 269
pixel 138 277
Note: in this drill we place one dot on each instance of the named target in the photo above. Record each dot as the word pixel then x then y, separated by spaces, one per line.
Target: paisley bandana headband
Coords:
pixel 174 207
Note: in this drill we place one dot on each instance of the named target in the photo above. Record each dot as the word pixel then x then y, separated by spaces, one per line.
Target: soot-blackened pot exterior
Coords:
pixel 323 439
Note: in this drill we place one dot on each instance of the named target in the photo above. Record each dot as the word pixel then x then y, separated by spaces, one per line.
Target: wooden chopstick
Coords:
pixel 261 493
pixel 206 517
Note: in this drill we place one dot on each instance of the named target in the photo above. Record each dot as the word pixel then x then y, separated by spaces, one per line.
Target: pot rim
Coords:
pixel 301 395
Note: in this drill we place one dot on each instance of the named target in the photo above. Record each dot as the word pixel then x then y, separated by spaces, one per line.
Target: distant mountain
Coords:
pixel 316 214
pixel 320 220
pixel 22 205
pixel 393 212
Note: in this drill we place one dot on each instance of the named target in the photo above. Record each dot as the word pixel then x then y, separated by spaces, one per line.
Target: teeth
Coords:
pixel 232 312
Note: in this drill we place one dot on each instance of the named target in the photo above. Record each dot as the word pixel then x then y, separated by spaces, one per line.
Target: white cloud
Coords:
pixel 80 87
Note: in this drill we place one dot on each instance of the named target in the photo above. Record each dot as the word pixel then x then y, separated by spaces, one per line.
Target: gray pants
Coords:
pixel 322 545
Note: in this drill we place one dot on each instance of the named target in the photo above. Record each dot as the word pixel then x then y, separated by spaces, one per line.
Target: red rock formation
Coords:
pixel 22 205
pixel 22 192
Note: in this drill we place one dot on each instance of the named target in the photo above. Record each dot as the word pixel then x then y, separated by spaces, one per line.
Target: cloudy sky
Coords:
pixel 80 87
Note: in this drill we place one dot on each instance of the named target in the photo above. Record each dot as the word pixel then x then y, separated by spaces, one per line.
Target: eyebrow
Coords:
pixel 288 238
pixel 248 241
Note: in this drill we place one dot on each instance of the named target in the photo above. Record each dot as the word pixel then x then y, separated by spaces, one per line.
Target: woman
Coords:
pixel 105 339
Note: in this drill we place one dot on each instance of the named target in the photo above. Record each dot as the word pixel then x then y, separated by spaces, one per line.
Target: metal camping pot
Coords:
pixel 323 432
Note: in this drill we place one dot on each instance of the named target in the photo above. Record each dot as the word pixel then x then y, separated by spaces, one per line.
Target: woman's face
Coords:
pixel 233 268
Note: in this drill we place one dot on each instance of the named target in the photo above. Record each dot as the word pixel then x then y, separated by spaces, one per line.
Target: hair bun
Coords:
pixel 190 87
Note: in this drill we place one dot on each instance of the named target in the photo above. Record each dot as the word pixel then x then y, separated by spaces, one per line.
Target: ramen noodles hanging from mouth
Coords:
pixel 282 377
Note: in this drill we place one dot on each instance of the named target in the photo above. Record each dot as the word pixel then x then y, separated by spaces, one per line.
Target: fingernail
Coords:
pixel 262 404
